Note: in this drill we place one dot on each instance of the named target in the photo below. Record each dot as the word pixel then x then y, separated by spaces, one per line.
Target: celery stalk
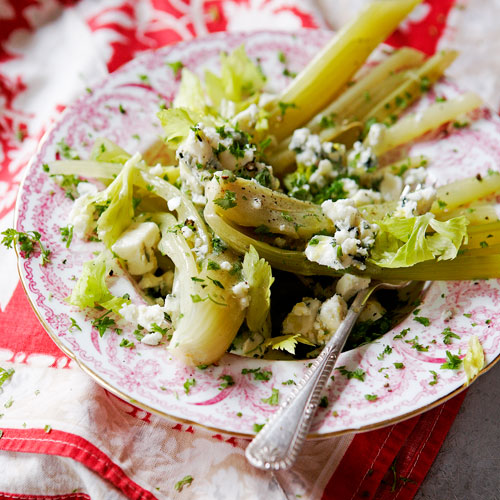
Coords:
pixel 332 68
pixel 417 82
pixel 413 126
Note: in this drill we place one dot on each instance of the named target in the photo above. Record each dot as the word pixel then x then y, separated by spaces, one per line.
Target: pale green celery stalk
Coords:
pixel 85 168
pixel 186 209
pixel 415 125
pixel 352 104
pixel 490 227
pixel 461 268
pixel 493 249
pixel 416 83
pixel 448 197
pixel 99 170
pixel 259 207
pixel 465 191
pixel 369 89
pixel 479 214
pixel 334 66
pixel 210 314
pixel 483 239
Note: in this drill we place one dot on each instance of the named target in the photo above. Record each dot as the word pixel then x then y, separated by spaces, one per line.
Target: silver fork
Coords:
pixel 279 442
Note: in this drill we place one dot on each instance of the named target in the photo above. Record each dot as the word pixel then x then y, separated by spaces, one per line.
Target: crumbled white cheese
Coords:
pixel 225 265
pixel 331 314
pixel 314 320
pixel 136 245
pixel 156 170
pixel 256 203
pixel 353 237
pixel 198 199
pixel 302 317
pixel 323 174
pixel 361 159
pixel 247 119
pixel 81 215
pixel 174 203
pixel 415 176
pixel 187 232
pixel 376 133
pixel 86 188
pixel 240 290
pixel 373 311
pixel 309 151
pixel 366 197
pixel 350 187
pixel 153 338
pixel 416 203
pixel 349 285
pixel 144 315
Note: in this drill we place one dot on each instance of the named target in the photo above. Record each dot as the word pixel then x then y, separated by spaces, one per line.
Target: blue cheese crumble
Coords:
pixel 353 237
pixel 315 320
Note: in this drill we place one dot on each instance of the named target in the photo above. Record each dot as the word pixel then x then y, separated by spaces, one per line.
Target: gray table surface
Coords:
pixel 468 464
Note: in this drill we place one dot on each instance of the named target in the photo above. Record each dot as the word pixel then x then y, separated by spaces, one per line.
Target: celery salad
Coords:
pixel 265 214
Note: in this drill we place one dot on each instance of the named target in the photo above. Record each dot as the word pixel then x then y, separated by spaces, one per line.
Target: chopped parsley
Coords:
pixel 371 397
pixel 453 362
pixel 28 242
pixel 67 234
pixel 273 399
pixel 258 373
pixel 74 324
pixel 127 343
pixel 323 403
pixel 212 266
pixel 434 378
pixel 415 345
pixel 257 427
pixel 103 323
pixel 5 374
pixel 190 382
pixel 227 381
pixel 358 373
pixel 229 200
pixel 289 382
pixel 284 106
pixel 47 428
pixel 185 481
pixel 422 320
pixel 176 67
pixel 448 335
pixel 218 246
pixel 399 366
pixel 387 350
pixel 66 151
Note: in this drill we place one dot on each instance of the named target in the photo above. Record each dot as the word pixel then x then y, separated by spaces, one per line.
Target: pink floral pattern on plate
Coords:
pixel 123 109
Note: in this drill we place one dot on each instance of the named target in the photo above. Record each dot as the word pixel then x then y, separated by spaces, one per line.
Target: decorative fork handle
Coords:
pixel 279 442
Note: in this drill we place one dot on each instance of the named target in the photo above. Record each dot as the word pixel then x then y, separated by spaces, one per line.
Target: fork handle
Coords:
pixel 279 442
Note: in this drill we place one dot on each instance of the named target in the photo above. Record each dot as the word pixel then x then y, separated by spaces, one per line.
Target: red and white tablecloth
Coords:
pixel 63 436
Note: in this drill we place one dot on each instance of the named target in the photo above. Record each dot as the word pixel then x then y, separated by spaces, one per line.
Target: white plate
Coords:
pixel 147 376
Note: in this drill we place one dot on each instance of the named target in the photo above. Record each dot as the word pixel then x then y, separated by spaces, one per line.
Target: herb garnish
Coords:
pixel 28 242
